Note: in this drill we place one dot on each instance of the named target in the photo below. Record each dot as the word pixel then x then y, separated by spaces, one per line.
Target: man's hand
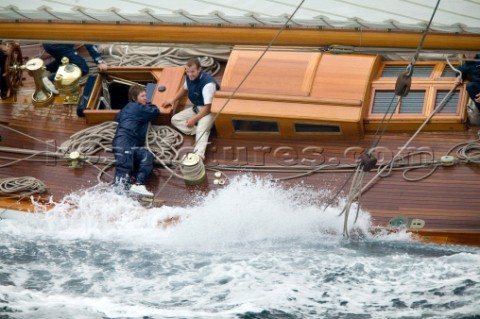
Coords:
pixel 458 80
pixel 165 110
pixel 102 67
pixel 191 122
pixel 477 98
pixel 170 102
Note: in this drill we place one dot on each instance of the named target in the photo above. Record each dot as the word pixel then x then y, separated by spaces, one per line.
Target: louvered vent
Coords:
pixel 382 101
pixel 413 103
pixel 392 71
pixel 451 105
pixel 448 72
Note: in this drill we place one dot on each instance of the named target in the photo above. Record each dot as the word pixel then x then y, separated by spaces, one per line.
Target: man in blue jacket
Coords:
pixel 128 143
pixel 196 120
pixel 471 72
pixel 58 51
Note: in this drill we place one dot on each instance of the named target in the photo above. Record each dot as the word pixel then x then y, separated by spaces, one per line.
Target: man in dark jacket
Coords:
pixel 129 140
pixel 471 72
pixel 59 50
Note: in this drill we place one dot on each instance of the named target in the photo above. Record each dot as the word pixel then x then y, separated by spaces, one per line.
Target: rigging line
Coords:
pixel 420 44
pixel 32 137
pixel 118 14
pixel 357 189
pixel 330 201
pixel 46 9
pixel 409 73
pixel 249 72
pixel 84 13
pixel 437 109
pixel 15 9
pixel 375 144
pixel 148 11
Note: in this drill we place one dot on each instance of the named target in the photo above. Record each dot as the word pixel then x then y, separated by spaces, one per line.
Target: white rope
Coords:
pixel 121 55
pixel 468 152
pixel 28 185
pixel 162 140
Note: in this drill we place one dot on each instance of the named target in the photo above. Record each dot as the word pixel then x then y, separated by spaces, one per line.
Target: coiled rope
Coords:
pixel 122 55
pixel 28 185
pixel 162 140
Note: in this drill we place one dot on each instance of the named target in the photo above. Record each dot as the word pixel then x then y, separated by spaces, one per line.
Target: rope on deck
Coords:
pixel 162 140
pixel 26 184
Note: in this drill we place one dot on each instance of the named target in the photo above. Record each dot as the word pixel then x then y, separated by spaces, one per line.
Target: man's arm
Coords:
pixel 204 111
pixel 181 92
pixel 96 56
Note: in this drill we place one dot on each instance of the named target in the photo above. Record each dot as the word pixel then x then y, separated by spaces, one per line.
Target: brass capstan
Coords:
pixel 67 81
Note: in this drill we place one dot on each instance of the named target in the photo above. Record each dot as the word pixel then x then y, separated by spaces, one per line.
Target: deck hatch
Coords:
pixel 451 104
pixel 420 71
pixel 255 126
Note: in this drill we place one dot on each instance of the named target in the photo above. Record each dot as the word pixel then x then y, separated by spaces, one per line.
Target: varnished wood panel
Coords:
pixel 343 76
pixel 287 72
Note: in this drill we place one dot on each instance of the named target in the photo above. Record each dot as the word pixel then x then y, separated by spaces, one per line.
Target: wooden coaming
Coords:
pixel 294 87
pixel 170 77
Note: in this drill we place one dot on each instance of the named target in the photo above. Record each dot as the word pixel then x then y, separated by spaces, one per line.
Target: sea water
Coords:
pixel 251 249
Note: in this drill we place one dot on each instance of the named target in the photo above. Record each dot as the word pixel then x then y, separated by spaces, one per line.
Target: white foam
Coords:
pixel 248 247
pixel 248 209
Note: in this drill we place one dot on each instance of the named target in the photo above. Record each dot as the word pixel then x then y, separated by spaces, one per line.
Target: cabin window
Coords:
pixel 413 103
pixel 451 104
pixel 316 128
pixel 382 100
pixel 386 101
pixel 255 126
pixel 419 71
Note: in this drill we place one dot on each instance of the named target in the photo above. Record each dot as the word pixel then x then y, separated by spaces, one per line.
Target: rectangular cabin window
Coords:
pixel 419 71
pixel 316 128
pixel 412 103
pixel 382 101
pixel 448 72
pixel 451 104
pixel 255 126
pixel 386 101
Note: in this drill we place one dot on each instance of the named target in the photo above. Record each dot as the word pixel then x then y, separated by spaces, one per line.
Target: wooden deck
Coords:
pixel 448 200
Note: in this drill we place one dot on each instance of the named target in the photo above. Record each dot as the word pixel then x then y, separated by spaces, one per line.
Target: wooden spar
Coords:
pixel 230 35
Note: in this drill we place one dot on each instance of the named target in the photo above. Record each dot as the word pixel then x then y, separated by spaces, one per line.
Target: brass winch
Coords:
pixel 67 81
pixel 43 96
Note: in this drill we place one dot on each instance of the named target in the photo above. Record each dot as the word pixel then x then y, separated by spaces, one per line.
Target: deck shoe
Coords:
pixel 140 190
